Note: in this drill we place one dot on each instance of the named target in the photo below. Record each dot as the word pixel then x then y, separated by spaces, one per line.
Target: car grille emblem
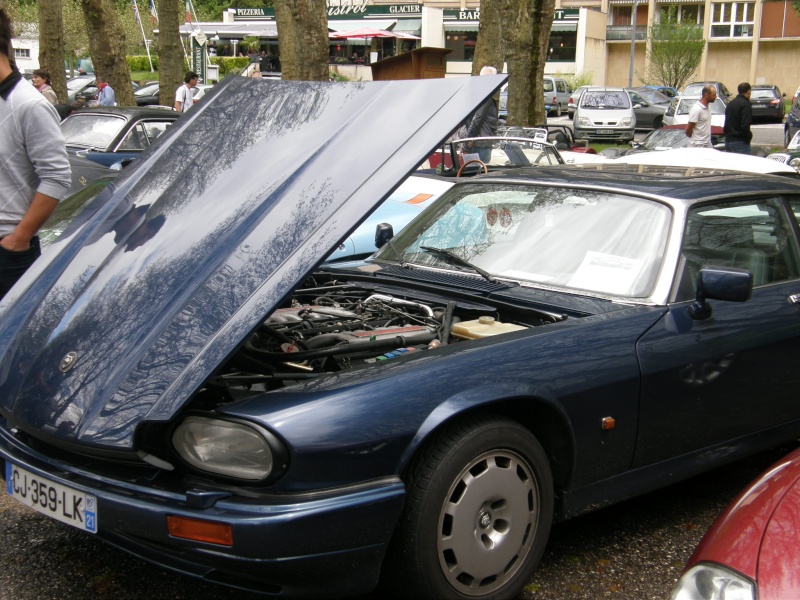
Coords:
pixel 68 361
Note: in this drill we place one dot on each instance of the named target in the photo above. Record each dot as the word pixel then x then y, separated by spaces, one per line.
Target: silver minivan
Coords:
pixel 556 95
pixel 604 114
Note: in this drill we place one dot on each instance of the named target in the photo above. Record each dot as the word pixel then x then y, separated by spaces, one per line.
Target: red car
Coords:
pixel 753 549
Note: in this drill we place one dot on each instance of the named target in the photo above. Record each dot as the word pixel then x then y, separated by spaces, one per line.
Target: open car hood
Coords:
pixel 127 314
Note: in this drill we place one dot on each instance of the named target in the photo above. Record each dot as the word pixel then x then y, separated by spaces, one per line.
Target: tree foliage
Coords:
pixel 676 49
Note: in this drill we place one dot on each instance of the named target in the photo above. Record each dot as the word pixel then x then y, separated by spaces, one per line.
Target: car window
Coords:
pixel 548 85
pixel 636 98
pixel 718 107
pixel 561 86
pixel 756 94
pixel 135 140
pixel 605 99
pixel 752 235
pixel 580 239
pixel 153 129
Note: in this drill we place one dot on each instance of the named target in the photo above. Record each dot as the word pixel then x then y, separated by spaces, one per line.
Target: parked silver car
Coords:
pixel 604 114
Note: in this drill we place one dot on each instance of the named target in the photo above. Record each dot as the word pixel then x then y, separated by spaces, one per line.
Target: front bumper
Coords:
pixel 306 546
pixel 604 134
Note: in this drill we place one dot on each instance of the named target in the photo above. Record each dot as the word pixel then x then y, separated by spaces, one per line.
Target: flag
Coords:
pixel 135 11
pixel 153 12
pixel 188 12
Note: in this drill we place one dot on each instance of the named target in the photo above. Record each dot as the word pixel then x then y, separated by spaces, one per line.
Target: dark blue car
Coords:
pixel 181 379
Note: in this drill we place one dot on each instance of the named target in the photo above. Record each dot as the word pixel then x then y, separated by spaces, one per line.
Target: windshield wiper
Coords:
pixel 456 259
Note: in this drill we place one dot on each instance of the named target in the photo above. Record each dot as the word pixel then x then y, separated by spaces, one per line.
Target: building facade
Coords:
pixel 745 40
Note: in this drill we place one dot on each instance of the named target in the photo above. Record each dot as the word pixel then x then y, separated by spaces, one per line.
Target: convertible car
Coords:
pixel 181 379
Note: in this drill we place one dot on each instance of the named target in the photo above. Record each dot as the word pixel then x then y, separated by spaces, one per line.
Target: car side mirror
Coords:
pixel 635 144
pixel 728 284
pixel 383 233
pixel 637 106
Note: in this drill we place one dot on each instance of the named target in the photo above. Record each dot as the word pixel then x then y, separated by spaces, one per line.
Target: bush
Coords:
pixel 230 64
pixel 140 63
pixel 576 80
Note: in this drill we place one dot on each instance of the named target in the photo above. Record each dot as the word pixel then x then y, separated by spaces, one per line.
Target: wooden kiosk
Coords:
pixel 422 63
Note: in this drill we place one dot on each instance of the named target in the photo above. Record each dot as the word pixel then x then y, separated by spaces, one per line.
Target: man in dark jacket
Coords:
pixel 483 123
pixel 738 116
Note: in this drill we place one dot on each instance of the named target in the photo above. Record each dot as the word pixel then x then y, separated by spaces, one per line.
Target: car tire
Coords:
pixel 658 123
pixel 558 110
pixel 478 512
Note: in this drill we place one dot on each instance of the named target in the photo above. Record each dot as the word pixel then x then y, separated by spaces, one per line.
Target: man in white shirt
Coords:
pixel 184 97
pixel 699 126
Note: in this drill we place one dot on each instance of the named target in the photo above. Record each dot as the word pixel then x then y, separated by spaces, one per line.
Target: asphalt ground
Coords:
pixel 634 550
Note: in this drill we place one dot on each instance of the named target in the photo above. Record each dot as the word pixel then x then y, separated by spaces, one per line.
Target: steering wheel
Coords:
pixel 469 162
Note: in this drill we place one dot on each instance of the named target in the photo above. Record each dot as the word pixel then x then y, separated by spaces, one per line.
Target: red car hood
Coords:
pixel 759 533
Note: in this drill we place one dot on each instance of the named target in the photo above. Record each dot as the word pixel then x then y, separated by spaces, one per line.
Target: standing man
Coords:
pixel 34 170
pixel 184 97
pixel 738 116
pixel 484 123
pixel 699 126
pixel 106 97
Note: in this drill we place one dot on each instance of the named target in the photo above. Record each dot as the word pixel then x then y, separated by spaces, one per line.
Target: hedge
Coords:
pixel 227 64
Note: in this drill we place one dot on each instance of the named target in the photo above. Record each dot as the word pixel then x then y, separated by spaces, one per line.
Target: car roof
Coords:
pixel 648 180
pixel 127 112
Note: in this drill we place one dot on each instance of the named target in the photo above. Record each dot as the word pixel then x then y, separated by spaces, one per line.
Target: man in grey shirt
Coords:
pixel 34 169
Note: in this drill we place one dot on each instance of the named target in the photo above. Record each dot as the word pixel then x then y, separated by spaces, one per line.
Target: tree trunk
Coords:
pixel 51 45
pixel 303 39
pixel 171 62
pixel 490 49
pixel 527 45
pixel 107 46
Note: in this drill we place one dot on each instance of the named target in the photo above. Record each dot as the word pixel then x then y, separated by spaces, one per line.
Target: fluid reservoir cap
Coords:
pixel 486 320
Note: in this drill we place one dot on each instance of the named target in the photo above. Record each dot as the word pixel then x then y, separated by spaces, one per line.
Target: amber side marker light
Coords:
pixel 200 531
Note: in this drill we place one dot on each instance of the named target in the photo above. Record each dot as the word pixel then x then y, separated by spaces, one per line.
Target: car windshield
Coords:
pixel 77 83
pixel 653 97
pixel 686 104
pixel 604 100
pixel 762 94
pixel 147 90
pixel 91 130
pixel 512 152
pixel 576 239
pixel 665 138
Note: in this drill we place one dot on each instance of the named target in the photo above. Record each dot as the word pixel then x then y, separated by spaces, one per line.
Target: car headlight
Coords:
pixel 626 122
pixel 584 122
pixel 705 581
pixel 229 448
pixel 795 162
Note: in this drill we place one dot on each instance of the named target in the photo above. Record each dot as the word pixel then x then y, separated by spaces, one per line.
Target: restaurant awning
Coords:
pixel 352 25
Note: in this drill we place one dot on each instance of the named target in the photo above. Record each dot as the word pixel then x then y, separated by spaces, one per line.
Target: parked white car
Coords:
pixel 678 111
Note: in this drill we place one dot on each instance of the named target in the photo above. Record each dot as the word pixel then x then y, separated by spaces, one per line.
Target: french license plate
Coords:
pixel 58 501
pixel 603 131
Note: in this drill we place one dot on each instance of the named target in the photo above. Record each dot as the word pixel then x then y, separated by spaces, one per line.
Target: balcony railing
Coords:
pixel 623 32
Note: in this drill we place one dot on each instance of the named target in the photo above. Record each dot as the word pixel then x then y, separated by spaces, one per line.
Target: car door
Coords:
pixel 646 113
pixel 705 382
